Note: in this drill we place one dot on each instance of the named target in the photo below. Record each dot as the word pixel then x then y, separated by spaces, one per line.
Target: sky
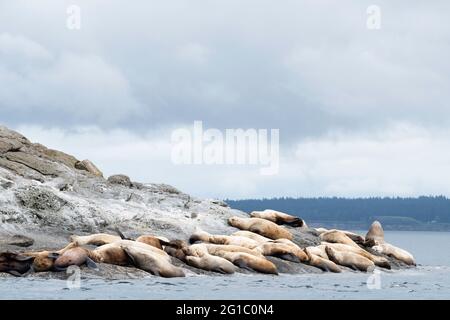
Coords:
pixel 360 111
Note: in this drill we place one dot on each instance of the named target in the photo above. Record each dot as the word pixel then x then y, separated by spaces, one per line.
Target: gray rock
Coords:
pixel 18 240
pixel 120 179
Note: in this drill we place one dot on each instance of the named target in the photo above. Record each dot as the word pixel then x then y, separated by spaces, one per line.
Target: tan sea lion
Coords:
pixel 260 226
pixel 248 261
pixel 150 261
pixel 209 262
pixel 286 250
pixel 379 261
pixel 335 236
pixel 375 235
pixel 317 251
pixel 15 263
pixel 97 239
pixel 395 252
pixel 322 263
pixel 251 235
pixel 321 230
pixel 212 248
pixel 279 217
pixel 222 239
pixel 110 253
pixel 350 259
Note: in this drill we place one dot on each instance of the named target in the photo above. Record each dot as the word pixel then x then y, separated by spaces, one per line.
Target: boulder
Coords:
pixel 88 166
pixel 120 179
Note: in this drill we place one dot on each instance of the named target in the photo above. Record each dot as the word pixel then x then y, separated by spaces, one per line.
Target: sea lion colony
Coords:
pixel 260 236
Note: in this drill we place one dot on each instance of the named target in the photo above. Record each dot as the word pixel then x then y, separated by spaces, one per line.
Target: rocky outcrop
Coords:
pixel 47 195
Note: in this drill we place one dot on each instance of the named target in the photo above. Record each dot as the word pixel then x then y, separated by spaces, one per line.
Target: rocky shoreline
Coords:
pixel 46 196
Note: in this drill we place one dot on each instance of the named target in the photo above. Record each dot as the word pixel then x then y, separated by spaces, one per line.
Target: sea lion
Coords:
pixel 322 263
pixel 260 226
pixel 335 236
pixel 15 263
pixel 379 261
pixel 97 239
pixel 151 240
pixel 212 248
pixel 317 251
pixel 176 249
pixel 286 250
pixel 148 260
pixel 279 217
pixel 248 261
pixel 74 257
pixel 197 256
pixel 110 253
pixel 321 230
pixel 44 260
pixel 350 259
pixel 209 262
pixel 251 235
pixel 222 239
pixel 375 235
pixel 395 252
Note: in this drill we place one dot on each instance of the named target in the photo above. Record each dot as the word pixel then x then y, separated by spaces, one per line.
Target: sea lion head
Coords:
pixel 234 221
pixel 15 263
pixel 375 235
pixel 76 256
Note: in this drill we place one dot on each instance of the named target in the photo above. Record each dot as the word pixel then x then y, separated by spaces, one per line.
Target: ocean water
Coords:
pixel 430 280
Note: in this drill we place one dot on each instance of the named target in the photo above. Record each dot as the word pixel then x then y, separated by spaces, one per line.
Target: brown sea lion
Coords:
pixel 395 252
pixel 150 261
pixel 176 249
pixel 251 235
pixel 321 263
pixel 375 235
pixel 260 226
pixel 350 259
pixel 335 236
pixel 151 240
pixel 379 261
pixel 44 260
pixel 110 253
pixel 15 263
pixel 279 217
pixel 74 257
pixel 223 239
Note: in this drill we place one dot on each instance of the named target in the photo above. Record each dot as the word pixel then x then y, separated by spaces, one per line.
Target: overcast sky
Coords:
pixel 361 112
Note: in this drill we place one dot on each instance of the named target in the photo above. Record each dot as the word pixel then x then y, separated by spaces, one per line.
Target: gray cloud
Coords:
pixel 311 69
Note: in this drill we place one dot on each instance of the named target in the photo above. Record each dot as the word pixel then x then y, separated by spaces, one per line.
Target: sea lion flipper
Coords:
pixel 15 273
pixel 53 255
pixel 23 258
pixel 91 264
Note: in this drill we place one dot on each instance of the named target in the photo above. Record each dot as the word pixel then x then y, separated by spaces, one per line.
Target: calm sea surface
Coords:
pixel 431 280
